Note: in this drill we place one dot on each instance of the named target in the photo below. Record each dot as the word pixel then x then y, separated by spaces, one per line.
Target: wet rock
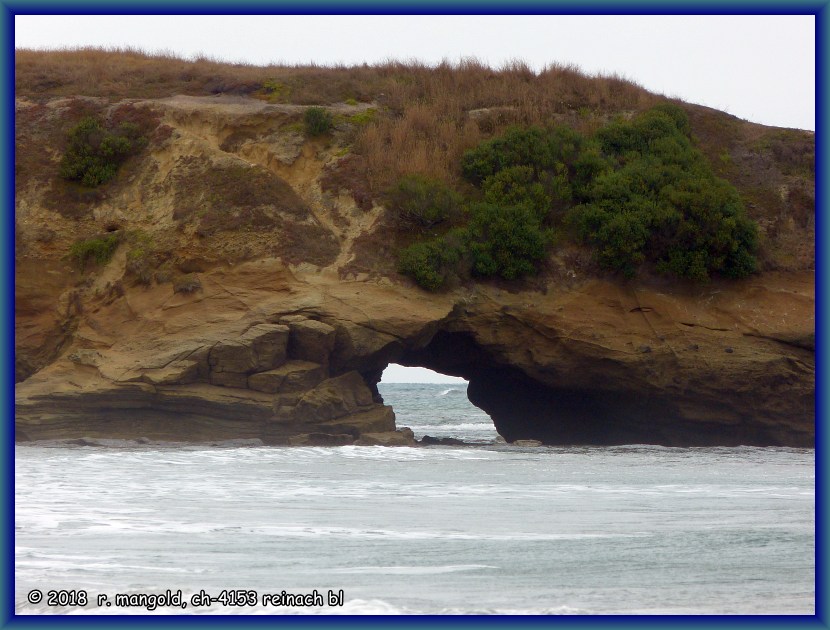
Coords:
pixel 248 443
pixel 401 437
pixel 334 398
pixel 428 440
pixel 84 441
pixel 526 443
pixel 321 439
pixel 377 419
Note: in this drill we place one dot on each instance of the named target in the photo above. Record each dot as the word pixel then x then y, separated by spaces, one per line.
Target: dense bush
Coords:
pixel 318 121
pixel 432 263
pixel 94 153
pixel 661 202
pixel 537 148
pixel 98 250
pixel 506 240
pixel 418 202
pixel 517 185
pixel 637 190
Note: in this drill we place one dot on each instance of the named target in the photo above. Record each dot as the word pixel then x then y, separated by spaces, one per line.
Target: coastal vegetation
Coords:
pixel 485 173
pixel 317 121
pixel 97 250
pixel 636 191
pixel 94 152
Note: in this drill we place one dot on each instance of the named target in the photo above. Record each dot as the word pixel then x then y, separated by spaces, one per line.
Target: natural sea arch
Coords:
pixel 520 407
pixel 434 406
pixel 591 413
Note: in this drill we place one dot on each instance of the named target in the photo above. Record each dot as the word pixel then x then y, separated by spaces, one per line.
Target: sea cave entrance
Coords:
pixel 510 402
pixel 435 406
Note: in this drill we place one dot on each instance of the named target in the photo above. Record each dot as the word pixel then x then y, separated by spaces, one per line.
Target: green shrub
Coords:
pixel 419 202
pixel 638 191
pixel 318 121
pixel 712 234
pixel 93 153
pixel 661 202
pixel 141 257
pixel 517 185
pixel 506 241
pixel 99 250
pixel 517 147
pixel 432 263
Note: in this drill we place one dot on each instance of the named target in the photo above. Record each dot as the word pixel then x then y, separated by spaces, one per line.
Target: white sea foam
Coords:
pixel 457 427
pixel 413 570
pixel 587 530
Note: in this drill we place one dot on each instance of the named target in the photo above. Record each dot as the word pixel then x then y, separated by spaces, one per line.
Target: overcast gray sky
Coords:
pixel 760 68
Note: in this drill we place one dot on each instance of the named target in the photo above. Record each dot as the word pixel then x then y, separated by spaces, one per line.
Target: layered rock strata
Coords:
pixel 263 352
pixel 245 302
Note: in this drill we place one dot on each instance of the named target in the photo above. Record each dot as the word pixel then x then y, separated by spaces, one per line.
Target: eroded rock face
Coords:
pixel 254 382
pixel 280 343
pixel 566 367
pixel 261 348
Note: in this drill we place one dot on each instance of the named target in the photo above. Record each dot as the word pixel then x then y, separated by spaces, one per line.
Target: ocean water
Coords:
pixel 481 529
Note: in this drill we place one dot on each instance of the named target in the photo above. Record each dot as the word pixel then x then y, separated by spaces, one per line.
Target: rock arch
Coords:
pixel 266 353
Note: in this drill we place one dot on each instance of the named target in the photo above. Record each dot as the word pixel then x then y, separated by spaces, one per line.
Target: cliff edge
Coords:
pixel 244 295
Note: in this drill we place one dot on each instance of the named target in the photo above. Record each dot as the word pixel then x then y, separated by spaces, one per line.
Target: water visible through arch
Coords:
pixel 434 404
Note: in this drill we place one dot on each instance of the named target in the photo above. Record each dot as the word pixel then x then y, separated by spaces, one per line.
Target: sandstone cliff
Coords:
pixel 245 300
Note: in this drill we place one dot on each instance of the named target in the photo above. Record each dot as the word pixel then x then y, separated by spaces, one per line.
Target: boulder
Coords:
pixel 376 419
pixel 334 398
pixel 311 340
pixel 293 376
pixel 269 344
pixel 229 379
pixel 261 347
pixel 177 372
pixel 401 437
pixel 428 440
pixel 321 439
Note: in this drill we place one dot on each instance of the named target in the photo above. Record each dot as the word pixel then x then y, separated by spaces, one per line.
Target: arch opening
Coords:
pixel 435 406
pixel 522 406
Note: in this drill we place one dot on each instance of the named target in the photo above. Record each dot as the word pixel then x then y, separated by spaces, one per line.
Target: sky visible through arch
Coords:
pixel 756 67
pixel 399 374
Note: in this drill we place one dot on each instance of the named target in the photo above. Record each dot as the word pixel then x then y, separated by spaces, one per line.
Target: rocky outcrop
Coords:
pixel 255 384
pixel 591 363
pixel 275 344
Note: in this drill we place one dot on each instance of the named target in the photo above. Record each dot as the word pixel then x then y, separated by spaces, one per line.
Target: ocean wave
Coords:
pixel 452 390
pixel 413 570
pixel 460 426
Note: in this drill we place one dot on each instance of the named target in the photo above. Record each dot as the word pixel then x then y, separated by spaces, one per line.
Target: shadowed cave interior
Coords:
pixel 523 408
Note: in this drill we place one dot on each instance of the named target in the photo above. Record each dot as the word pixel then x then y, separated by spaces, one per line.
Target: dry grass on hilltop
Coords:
pixel 424 122
pixel 423 118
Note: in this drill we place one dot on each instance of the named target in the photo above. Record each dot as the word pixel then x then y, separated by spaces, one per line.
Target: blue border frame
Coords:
pixel 10 8
pixel 822 29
